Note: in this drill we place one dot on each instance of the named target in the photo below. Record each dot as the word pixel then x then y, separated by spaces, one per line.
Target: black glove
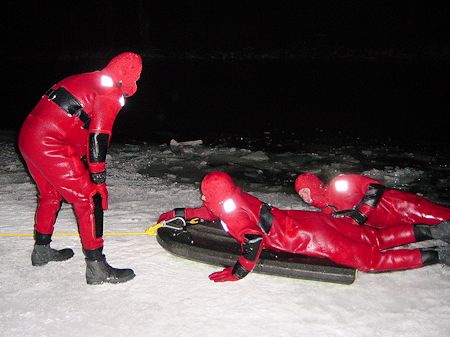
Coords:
pixel 355 214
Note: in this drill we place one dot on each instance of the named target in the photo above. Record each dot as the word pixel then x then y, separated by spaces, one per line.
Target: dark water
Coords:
pixel 296 100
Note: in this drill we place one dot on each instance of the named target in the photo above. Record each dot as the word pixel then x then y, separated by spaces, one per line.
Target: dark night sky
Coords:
pixel 364 67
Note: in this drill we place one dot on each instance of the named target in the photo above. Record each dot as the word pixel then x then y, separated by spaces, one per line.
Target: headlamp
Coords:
pixel 341 185
pixel 106 81
pixel 229 205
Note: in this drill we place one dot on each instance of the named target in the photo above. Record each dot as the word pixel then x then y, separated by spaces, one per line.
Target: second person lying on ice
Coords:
pixel 257 225
pixel 366 201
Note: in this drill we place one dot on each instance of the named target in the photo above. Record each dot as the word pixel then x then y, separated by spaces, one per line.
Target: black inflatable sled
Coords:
pixel 207 242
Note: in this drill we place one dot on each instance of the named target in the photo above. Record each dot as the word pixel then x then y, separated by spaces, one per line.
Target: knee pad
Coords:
pixel 98 214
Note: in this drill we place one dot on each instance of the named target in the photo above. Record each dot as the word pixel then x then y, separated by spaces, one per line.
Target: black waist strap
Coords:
pixel 265 218
pixel 66 101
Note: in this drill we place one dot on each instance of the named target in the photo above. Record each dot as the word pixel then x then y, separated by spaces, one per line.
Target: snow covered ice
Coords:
pixel 171 296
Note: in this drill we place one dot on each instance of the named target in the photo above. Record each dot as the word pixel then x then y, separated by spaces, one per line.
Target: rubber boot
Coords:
pixel 98 271
pixel 440 231
pixel 43 253
pixel 435 255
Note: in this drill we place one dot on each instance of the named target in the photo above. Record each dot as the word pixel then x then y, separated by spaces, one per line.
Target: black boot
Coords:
pixel 43 253
pixel 99 271
pixel 440 231
pixel 429 256
pixel 435 255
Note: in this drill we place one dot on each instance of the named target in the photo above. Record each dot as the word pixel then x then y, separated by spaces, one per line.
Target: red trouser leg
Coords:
pixel 76 188
pixel 90 232
pixel 397 259
pixel 359 246
pixel 369 257
pixel 49 203
pixel 395 236
pixel 433 213
pixel 62 169
pixel 383 238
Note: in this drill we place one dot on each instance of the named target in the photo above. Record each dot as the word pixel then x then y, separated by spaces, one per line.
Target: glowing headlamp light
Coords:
pixel 229 205
pixel 341 185
pixel 106 81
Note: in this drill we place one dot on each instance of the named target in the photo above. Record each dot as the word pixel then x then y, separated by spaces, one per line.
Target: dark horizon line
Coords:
pixel 248 53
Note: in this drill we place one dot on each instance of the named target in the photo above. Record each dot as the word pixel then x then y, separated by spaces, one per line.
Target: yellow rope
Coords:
pixel 150 231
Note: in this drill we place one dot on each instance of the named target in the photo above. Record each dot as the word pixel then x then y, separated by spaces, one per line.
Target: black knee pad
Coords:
pixel 98 215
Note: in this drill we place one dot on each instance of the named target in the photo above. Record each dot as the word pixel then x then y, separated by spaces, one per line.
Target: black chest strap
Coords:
pixel 66 101
pixel 265 218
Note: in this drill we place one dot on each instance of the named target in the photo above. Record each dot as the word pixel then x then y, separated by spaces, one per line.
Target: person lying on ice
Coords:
pixel 64 141
pixel 367 201
pixel 256 225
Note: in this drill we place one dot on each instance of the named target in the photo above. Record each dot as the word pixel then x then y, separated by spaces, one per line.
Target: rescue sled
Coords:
pixel 207 242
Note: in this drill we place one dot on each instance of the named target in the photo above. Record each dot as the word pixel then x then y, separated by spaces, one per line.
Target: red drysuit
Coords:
pixel 64 142
pixel 367 201
pixel 256 225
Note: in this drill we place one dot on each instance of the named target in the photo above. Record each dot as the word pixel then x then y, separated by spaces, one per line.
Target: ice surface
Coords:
pixel 171 296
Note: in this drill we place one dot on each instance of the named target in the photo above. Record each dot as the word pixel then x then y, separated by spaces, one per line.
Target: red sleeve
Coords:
pixel 202 212
pixel 104 113
pixel 374 193
pixel 248 261
pixel 366 210
pixel 346 191
pixel 241 227
pixel 363 182
pixel 327 210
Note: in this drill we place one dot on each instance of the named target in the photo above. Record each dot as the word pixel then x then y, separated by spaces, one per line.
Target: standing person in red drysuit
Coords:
pixel 257 225
pixel 64 142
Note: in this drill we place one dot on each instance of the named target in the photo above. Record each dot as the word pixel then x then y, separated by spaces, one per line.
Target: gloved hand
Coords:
pixel 102 190
pixel 341 214
pixel 223 276
pixel 355 214
pixel 166 216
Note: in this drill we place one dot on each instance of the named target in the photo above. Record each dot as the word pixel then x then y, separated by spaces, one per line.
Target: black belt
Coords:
pixel 265 218
pixel 66 101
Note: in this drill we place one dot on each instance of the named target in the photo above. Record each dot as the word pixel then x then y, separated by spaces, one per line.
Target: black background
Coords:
pixel 371 69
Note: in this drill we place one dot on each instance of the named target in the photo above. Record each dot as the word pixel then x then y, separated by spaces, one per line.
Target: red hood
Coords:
pixel 217 187
pixel 126 69
pixel 315 185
